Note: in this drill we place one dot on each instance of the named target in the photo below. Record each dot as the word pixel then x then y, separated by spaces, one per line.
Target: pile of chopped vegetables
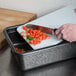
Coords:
pixel 20 50
pixel 34 36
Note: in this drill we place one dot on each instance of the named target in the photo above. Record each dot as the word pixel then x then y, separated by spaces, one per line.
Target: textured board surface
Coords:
pixel 10 18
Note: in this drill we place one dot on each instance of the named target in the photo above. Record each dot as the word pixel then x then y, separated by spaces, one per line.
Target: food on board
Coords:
pixel 34 36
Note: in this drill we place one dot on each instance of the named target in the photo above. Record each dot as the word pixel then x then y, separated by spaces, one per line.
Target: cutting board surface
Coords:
pixel 9 18
pixel 54 20
pixel 45 43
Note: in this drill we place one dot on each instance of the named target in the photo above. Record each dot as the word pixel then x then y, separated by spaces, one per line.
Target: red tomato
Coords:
pixel 31 42
pixel 23 35
pixel 48 37
pixel 20 50
pixel 28 34
pixel 29 30
pixel 22 31
pixel 36 34
pixel 25 28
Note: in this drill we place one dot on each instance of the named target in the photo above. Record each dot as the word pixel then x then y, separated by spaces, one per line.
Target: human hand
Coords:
pixel 67 32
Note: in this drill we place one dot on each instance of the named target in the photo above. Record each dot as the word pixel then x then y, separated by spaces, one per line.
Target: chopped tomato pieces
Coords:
pixel 20 50
pixel 23 35
pixel 25 28
pixel 35 36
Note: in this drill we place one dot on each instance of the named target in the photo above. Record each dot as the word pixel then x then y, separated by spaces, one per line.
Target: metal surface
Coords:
pixel 8 67
pixel 36 58
pixel 42 28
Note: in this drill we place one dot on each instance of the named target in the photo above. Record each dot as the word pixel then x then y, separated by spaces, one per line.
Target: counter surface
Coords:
pixel 8 67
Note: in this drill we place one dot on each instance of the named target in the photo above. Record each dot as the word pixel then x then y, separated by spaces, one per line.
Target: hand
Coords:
pixel 67 32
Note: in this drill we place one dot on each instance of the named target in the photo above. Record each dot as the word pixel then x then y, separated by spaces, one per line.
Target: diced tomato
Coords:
pixel 16 48
pixel 48 37
pixel 20 50
pixel 28 34
pixel 23 35
pixel 32 36
pixel 38 40
pixel 34 42
pixel 23 32
pixel 31 42
pixel 29 30
pixel 25 28
pixel 36 35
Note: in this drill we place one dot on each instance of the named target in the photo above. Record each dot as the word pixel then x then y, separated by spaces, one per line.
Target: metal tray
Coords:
pixel 36 58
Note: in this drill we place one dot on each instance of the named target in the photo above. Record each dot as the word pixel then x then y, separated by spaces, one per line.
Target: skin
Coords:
pixel 67 32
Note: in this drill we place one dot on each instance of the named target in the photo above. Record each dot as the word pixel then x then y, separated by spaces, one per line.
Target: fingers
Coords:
pixel 67 32
pixel 58 31
pixel 62 31
pixel 59 36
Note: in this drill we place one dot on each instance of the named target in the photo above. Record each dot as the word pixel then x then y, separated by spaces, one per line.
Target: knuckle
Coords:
pixel 62 31
pixel 56 32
